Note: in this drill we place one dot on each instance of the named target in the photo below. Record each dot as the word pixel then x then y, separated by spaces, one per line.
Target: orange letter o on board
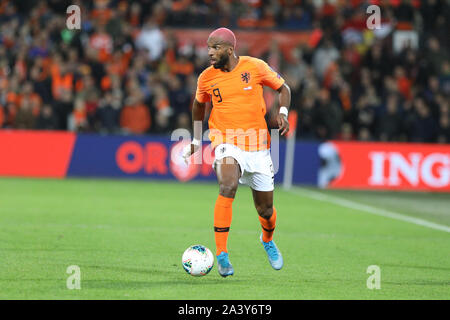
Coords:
pixel 124 162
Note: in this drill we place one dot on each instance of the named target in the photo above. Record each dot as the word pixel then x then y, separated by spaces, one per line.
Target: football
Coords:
pixel 197 260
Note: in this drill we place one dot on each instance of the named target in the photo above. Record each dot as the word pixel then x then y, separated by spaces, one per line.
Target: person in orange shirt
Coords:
pixel 239 136
pixel 135 116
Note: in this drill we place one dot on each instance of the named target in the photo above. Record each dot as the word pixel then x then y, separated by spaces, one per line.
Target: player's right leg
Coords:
pixel 228 173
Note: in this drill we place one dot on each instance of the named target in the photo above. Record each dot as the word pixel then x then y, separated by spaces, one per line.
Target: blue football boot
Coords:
pixel 274 255
pixel 223 265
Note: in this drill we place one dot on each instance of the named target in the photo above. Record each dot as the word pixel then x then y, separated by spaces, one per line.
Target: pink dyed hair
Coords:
pixel 225 34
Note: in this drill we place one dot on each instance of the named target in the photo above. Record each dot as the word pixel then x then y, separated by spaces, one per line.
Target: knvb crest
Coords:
pixel 245 76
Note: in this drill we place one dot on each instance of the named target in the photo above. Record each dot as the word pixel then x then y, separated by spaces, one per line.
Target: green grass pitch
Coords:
pixel 128 236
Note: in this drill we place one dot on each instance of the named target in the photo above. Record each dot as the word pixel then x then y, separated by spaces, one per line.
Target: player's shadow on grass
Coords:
pixel 406 266
pixel 417 281
pixel 148 271
pixel 134 284
pixel 420 283
pixel 174 272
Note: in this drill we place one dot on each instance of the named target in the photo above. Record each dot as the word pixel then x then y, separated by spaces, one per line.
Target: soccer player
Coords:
pixel 239 137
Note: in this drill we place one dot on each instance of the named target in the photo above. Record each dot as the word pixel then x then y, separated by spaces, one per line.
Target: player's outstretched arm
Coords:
pixel 198 114
pixel 284 99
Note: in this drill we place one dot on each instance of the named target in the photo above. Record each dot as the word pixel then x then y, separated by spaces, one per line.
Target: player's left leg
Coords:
pixel 263 201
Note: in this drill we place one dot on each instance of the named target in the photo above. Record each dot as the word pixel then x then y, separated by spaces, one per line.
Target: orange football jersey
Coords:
pixel 237 116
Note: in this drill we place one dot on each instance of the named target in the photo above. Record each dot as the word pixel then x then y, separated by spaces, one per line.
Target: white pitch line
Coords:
pixel 369 209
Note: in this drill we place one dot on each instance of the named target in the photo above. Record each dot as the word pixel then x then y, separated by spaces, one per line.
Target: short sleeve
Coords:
pixel 269 77
pixel 201 94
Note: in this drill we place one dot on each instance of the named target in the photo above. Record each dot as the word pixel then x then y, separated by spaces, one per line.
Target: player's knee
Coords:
pixel 265 211
pixel 228 190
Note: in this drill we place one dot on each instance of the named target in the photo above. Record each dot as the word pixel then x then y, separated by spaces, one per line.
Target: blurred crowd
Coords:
pixel 124 71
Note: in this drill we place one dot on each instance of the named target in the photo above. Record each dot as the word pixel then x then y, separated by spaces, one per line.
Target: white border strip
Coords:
pixel 369 209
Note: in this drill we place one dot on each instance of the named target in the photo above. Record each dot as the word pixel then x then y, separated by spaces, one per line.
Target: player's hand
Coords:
pixel 283 124
pixel 189 150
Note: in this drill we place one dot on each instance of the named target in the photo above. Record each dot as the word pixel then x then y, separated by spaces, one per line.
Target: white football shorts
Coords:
pixel 256 166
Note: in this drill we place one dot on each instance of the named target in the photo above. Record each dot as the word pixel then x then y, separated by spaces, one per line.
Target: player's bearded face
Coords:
pixel 221 60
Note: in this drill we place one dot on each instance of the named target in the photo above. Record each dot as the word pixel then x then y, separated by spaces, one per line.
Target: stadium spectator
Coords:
pixel 151 39
pixel 163 110
pixel 306 127
pixel 324 56
pixel 25 118
pixel 108 113
pixel 346 132
pixel 46 119
pixel 63 107
pixel 179 97
pixel 327 116
pixel 435 56
pixel 135 116
pixel 10 115
pixel 2 115
pixel 390 121
pixel 33 98
pixel 444 129
pixel 77 120
pixel 424 126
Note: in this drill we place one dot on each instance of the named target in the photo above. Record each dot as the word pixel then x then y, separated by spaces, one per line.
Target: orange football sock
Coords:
pixel 222 222
pixel 268 226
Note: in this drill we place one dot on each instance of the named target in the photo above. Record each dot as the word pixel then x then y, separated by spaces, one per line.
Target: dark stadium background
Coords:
pixel 126 72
